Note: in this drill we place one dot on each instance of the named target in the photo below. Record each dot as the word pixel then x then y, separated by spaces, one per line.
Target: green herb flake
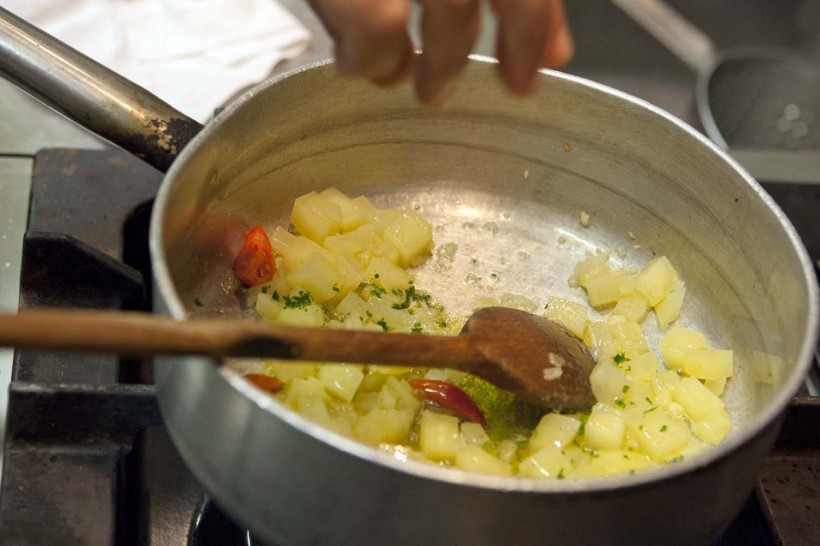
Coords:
pixel 620 358
pixel 442 324
pixel 265 289
pixel 583 425
pixel 490 448
pixel 368 313
pixel 336 288
pixel 650 410
pixel 299 301
pixel 640 427
pixel 625 389
pixel 620 403
pixel 560 475
pixel 275 296
pixel 383 323
pixel 664 428
pixel 197 302
pixel 416 329
pixel 626 456
pixel 677 459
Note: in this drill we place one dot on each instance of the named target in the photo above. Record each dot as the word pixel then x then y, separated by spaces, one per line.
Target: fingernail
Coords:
pixel 443 92
pixel 562 48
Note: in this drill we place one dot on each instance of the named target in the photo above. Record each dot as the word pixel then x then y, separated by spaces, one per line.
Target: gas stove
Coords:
pixel 87 459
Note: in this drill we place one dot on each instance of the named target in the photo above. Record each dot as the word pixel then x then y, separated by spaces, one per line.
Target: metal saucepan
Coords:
pixel 504 180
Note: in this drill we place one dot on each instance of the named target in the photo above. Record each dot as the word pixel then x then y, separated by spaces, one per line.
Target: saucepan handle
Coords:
pixel 92 95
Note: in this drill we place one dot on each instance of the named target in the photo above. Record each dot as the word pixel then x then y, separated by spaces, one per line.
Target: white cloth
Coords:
pixel 194 54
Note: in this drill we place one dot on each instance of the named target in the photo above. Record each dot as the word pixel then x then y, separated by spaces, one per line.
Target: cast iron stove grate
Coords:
pixel 87 460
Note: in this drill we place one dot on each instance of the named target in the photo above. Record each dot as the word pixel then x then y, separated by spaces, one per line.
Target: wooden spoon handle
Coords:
pixel 144 334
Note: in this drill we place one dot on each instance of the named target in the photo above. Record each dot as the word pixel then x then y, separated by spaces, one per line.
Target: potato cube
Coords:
pixel 310 315
pixel 656 280
pixel 547 462
pixel 605 428
pixel 342 380
pixel 712 428
pixel 281 240
pixel 411 235
pixel 554 429
pixel 632 307
pixel 661 436
pixel 698 401
pixel 289 370
pixel 473 434
pixel 438 435
pixel 668 309
pixel 609 383
pixel 267 308
pixel 643 367
pixel 388 275
pixel 354 212
pixel 626 285
pixel 315 218
pixel 616 461
pixel 629 338
pixel 679 341
pixel 569 314
pixel 717 386
pixel 591 267
pixel 599 339
pixel 711 364
pixel 383 426
pixel 319 276
pixel 475 459
pixel 299 248
pixel 602 289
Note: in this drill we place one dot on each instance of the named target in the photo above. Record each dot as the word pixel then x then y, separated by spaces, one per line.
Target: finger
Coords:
pixel 448 29
pixel 525 26
pixel 371 37
pixel 560 46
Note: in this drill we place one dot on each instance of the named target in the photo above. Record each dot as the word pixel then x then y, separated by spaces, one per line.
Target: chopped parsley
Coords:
pixel 620 403
pixel 197 302
pixel 625 389
pixel 490 448
pixel 677 459
pixel 416 329
pixel 336 288
pixel 620 358
pixel 383 323
pixel 582 427
pixel 275 296
pixel 650 410
pixel 522 443
pixel 663 428
pixel 299 301
pixel 265 289
pixel 560 475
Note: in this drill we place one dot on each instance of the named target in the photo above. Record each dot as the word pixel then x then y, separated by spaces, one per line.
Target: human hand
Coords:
pixel 372 41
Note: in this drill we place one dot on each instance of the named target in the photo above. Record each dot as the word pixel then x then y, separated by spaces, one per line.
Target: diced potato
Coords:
pixel 355 212
pixel 661 436
pixel 267 308
pixel 281 240
pixel 663 387
pixel 315 218
pixel 712 428
pixel 438 435
pixel 632 307
pixel 386 250
pixel 473 434
pixel 310 315
pixel 609 383
pixel 679 341
pixel 626 286
pixel 305 390
pixel 599 339
pixel 383 425
pixel 643 367
pixel 288 371
pixel 411 235
pixel 547 462
pixel 668 309
pixel 602 289
pixel 387 274
pixel 604 428
pixel 698 401
pixel 629 338
pixel 341 381
pixel 569 314
pixel 717 386
pixel 318 275
pixel 616 461
pixel 397 393
pixel 475 459
pixel 591 267
pixel 299 249
pixel 656 280
pixel 711 364
pixel 554 429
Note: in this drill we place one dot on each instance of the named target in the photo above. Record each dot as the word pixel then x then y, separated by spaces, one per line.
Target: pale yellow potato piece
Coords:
pixel 717 386
pixel 599 339
pixel 609 383
pixel 712 428
pixel 569 314
pixel 629 338
pixel 616 461
pixel 602 289
pixel 315 218
pixel 632 307
pixel 355 212
pixel 554 429
pixel 656 280
pixel 411 235
pixel 341 381
pixel 698 401
pixel 383 426
pixel 388 275
pixel 311 315
pixel 668 309
pixel 592 266
pixel 547 462
pixel 474 459
pixel 267 308
pixel 604 428
pixel 319 276
pixel 438 435
pixel 713 364
pixel 473 434
pixel 660 436
pixel 677 342
pixel 643 367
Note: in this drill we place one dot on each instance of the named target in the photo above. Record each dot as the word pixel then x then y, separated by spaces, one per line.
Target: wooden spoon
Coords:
pixel 530 356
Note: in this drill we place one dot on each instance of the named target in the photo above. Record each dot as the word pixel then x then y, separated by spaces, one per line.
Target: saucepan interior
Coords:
pixel 503 182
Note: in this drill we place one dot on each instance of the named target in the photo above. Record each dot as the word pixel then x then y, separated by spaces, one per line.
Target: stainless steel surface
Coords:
pixel 505 180
pixel 86 91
